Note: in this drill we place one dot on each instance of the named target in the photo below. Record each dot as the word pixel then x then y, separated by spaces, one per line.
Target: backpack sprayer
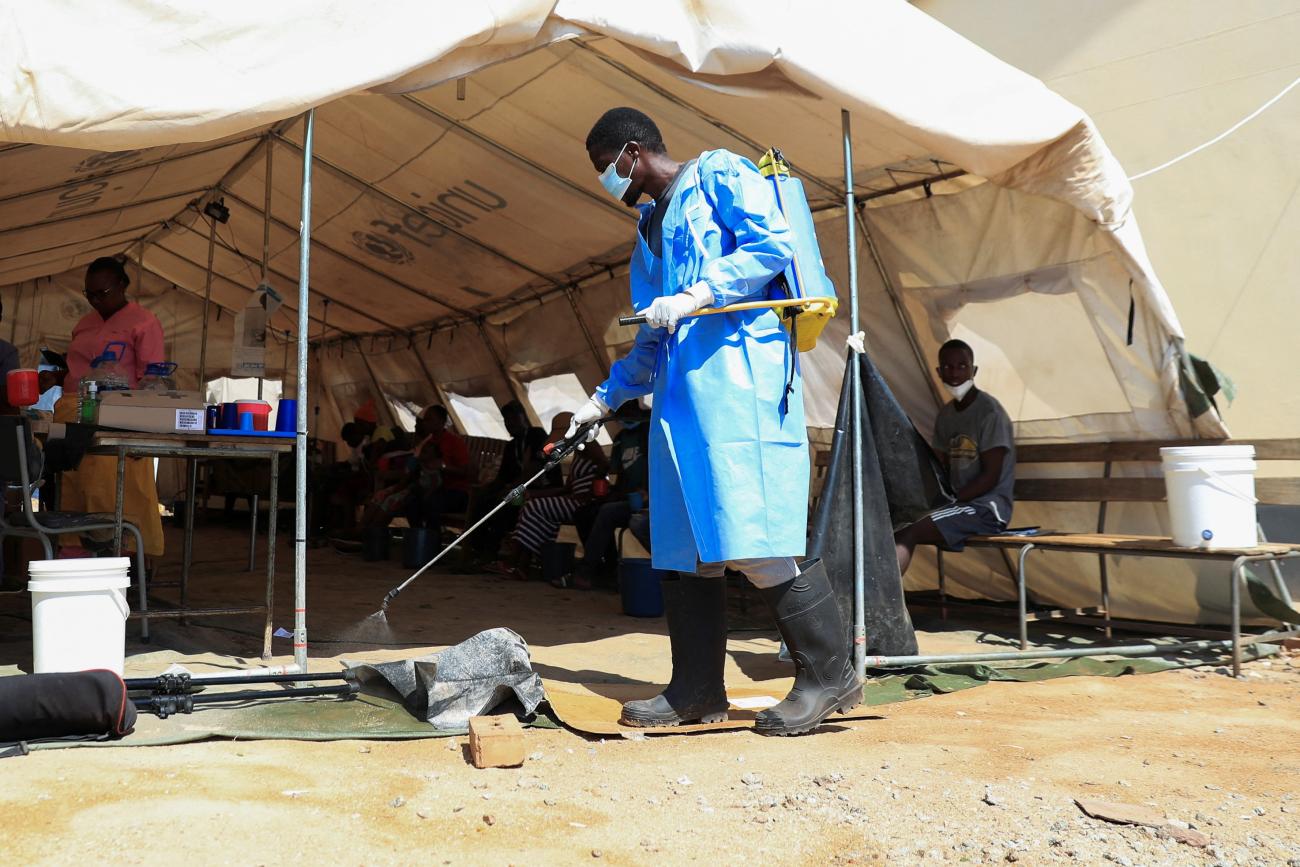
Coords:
pixel 810 300
pixel 555 452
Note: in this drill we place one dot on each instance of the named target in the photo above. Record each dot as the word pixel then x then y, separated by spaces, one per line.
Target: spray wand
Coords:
pixel 179 693
pixel 815 304
pixel 555 452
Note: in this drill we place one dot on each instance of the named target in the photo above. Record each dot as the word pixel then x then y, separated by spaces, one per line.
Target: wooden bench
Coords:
pixel 1105 489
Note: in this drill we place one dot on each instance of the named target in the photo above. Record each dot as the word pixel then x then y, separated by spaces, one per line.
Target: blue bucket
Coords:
pixel 419 546
pixel 639 582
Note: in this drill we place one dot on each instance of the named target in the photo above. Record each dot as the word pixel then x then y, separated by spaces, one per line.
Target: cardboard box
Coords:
pixel 154 411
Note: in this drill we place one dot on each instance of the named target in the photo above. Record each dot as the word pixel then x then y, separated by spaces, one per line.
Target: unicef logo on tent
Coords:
pixel 382 247
pixel 105 161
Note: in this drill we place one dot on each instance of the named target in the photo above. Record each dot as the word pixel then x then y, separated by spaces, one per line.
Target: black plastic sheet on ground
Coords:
pixel 446 688
pixel 901 481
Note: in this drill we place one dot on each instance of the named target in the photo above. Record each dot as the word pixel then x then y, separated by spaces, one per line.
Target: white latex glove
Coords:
pixel 667 310
pixel 590 411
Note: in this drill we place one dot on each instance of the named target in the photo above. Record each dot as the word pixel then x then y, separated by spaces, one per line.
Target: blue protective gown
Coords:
pixel 728 467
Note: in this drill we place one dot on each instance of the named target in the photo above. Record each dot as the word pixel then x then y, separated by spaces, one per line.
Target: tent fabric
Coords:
pixel 460 244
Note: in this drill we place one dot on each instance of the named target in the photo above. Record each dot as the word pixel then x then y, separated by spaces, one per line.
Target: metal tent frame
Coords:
pixel 300 645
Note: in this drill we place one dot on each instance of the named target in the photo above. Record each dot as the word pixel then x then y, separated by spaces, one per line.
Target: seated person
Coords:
pixel 405 479
pixel 545 509
pixel 444 486
pixel 378 439
pixel 52 372
pixel 629 458
pixel 347 484
pixel 974 441
pixel 522 457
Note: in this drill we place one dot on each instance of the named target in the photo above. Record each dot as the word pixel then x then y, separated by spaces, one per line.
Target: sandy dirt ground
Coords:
pixel 982 776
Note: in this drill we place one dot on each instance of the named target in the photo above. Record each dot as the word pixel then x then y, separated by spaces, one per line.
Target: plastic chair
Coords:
pixel 16 472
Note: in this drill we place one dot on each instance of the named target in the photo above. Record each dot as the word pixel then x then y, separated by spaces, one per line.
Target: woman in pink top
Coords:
pixel 92 487
pixel 114 319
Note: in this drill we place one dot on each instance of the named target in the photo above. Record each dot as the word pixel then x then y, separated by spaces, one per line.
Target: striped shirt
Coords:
pixel 540 518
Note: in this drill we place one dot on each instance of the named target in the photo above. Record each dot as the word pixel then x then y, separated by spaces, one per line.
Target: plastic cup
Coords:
pixel 229 416
pixel 247 421
pixel 23 387
pixel 286 415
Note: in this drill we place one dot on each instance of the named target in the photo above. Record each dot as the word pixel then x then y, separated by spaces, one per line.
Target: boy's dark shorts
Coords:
pixel 960 521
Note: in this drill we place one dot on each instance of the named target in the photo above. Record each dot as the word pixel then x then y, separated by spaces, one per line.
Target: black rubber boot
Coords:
pixel 809 620
pixel 695 609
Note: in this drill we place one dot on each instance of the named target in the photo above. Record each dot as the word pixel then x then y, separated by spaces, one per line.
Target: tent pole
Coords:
pixel 601 362
pixel 139 270
pixel 266 213
pixel 903 320
pixel 207 306
pixel 859 510
pixel 501 367
pixel 266 230
pixel 438 390
pixel 300 440
pixel 1050 653
pixel 13 315
pixel 381 399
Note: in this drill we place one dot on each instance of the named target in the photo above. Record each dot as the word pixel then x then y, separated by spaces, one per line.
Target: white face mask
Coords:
pixel 960 391
pixel 615 185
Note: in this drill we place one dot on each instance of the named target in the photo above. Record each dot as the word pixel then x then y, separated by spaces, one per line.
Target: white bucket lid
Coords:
pixel 77 574
pixel 1213 453
pixel 76 566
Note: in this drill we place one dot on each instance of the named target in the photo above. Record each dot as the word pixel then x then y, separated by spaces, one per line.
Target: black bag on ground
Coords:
pixel 82 703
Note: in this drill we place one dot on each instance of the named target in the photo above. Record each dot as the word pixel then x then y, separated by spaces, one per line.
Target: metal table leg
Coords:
pixel 252 533
pixel 1238 566
pixel 1105 594
pixel 118 505
pixel 273 503
pixel 191 506
pixel 1102 569
pixel 1023 593
pixel 943 586
pixel 1283 591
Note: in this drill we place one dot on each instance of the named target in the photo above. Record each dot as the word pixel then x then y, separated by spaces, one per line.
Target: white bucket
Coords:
pixel 1211 494
pixel 79 613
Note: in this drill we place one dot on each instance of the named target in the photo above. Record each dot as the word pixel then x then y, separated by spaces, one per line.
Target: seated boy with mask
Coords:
pixel 973 439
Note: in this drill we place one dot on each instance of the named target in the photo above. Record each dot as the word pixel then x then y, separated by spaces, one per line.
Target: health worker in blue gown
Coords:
pixel 728 446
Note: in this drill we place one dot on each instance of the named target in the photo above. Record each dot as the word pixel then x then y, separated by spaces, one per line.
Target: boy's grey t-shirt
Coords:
pixel 962 436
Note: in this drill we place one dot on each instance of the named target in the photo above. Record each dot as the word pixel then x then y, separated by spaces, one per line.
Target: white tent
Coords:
pixel 462 250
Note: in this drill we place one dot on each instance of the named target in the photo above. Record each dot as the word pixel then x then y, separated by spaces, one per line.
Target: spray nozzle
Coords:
pixel 562 447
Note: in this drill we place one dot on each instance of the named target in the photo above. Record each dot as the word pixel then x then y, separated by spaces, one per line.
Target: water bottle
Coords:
pixel 107 368
pixel 158 376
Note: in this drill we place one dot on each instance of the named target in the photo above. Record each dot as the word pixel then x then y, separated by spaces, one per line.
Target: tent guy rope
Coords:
pixel 1221 136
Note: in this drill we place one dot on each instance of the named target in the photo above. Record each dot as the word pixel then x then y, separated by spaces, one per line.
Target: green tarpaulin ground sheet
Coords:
pixel 887 686
pixel 362 718
pixel 372 718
